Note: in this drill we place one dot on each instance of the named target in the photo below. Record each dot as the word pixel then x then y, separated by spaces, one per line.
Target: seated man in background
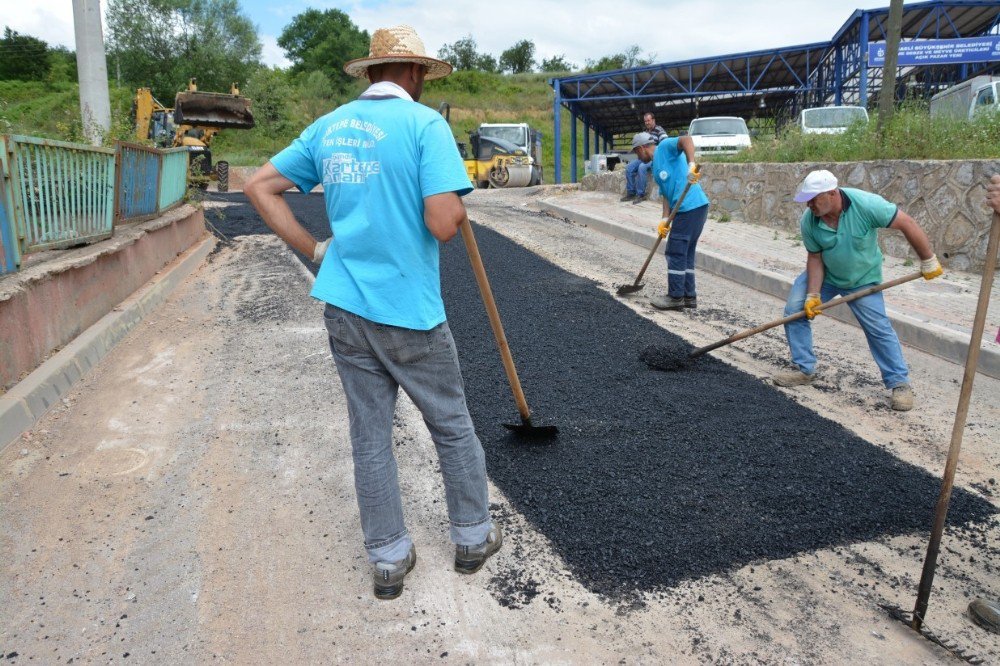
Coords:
pixel 636 171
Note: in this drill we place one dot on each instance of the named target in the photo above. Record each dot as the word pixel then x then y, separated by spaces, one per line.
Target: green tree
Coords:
pixel 322 41
pixel 487 63
pixel 462 54
pixel 62 65
pixel 270 91
pixel 23 57
pixel 557 64
pixel 630 57
pixel 317 95
pixel 163 43
pixel 519 58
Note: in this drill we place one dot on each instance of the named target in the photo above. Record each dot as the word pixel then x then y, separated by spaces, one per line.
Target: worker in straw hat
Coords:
pixel 840 232
pixel 392 180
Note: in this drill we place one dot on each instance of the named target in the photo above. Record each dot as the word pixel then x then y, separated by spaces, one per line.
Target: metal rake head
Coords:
pixel 906 617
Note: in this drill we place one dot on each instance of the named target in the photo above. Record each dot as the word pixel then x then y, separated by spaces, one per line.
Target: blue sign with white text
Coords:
pixel 939 51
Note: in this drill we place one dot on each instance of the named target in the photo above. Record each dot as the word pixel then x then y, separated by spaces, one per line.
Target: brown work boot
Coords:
pixel 470 559
pixel 902 398
pixel 388 576
pixel 792 378
pixel 667 303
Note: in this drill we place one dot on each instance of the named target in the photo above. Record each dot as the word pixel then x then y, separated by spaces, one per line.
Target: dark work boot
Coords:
pixel 667 303
pixel 627 197
pixel 691 302
pixel 470 559
pixel 388 576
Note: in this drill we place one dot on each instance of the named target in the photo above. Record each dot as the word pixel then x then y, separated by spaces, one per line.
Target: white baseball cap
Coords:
pixel 642 139
pixel 817 182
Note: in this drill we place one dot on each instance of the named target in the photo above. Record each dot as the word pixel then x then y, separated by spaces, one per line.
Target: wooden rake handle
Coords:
pixel 659 239
pixel 833 302
pixel 491 310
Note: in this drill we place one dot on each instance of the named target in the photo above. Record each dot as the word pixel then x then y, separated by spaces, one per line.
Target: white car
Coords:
pixel 831 119
pixel 719 135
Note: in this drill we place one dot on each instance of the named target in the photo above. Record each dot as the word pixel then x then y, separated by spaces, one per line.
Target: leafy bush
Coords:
pixel 911 134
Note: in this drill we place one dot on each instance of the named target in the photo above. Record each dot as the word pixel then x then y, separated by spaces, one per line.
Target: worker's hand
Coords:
pixel 993 193
pixel 664 227
pixel 812 305
pixel 694 172
pixel 930 268
pixel 320 250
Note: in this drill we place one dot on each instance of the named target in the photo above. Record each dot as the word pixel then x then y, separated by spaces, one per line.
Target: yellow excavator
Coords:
pixel 193 122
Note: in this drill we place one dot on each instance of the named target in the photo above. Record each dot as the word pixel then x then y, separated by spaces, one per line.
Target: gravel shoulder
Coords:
pixel 192 499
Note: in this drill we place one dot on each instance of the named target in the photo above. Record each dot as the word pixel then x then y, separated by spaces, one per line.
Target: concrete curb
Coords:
pixel 926 336
pixel 28 400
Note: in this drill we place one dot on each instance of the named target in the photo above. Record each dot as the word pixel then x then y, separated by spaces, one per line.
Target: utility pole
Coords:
pixel 887 95
pixel 92 68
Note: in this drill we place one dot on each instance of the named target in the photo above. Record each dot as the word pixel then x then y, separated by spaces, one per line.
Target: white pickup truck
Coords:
pixel 966 99
pixel 719 135
pixel 831 119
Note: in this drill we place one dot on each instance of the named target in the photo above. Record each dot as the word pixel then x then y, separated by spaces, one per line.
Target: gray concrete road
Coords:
pixel 192 501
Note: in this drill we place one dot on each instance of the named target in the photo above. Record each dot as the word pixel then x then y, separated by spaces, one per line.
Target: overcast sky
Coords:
pixel 668 29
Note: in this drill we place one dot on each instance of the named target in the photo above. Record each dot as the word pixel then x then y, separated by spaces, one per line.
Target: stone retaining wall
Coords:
pixel 945 197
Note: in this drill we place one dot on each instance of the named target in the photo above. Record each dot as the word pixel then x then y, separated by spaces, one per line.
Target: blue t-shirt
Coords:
pixel 670 171
pixel 377 159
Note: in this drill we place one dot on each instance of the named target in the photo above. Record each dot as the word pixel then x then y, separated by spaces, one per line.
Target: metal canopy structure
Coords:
pixel 770 85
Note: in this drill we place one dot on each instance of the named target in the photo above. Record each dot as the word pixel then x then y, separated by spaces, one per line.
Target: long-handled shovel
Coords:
pixel 636 286
pixel 660 361
pixel 915 619
pixel 833 302
pixel 525 428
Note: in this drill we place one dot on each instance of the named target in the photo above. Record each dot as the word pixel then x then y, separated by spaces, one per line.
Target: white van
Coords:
pixel 719 135
pixel 831 119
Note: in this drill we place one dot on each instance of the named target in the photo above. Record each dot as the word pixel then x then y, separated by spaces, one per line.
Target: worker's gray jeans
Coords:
pixel 374 360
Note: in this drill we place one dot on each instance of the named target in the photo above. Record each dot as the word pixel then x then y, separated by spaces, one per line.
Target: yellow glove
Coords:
pixel 812 305
pixel 694 172
pixel 930 268
pixel 664 227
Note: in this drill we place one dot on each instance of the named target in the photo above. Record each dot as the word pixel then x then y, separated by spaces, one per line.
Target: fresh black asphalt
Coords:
pixel 656 477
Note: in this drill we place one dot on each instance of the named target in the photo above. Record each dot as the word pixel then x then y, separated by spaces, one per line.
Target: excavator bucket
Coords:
pixel 206 109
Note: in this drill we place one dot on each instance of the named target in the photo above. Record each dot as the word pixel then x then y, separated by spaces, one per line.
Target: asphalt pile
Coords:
pixel 656 477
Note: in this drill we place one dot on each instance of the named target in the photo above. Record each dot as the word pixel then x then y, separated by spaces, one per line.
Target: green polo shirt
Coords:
pixel 851 255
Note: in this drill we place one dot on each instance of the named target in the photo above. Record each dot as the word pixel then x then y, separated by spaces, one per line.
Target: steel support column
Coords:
pixel 863 61
pixel 557 139
pixel 572 150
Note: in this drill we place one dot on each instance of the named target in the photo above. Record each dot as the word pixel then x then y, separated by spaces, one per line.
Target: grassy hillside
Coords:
pixel 284 107
pixel 53 111
pixel 474 97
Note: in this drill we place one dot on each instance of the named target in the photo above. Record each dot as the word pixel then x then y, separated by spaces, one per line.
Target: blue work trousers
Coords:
pixel 373 361
pixel 635 177
pixel 682 244
pixel 870 313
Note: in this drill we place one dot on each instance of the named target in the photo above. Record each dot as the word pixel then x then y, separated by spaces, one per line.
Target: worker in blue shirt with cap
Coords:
pixel 673 168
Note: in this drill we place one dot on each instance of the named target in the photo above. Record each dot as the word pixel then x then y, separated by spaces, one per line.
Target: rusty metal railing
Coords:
pixel 60 194
pixel 137 182
pixel 10 254
pixel 173 177
pixel 55 194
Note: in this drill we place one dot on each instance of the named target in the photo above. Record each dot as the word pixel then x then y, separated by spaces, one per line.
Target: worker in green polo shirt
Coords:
pixel 840 232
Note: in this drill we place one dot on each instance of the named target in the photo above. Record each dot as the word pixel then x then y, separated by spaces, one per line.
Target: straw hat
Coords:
pixel 397 44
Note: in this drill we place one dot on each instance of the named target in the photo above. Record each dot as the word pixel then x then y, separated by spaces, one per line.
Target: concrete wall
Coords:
pixel 54 298
pixel 945 197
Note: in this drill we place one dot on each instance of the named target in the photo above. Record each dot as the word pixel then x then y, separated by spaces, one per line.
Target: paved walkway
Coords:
pixel 935 316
